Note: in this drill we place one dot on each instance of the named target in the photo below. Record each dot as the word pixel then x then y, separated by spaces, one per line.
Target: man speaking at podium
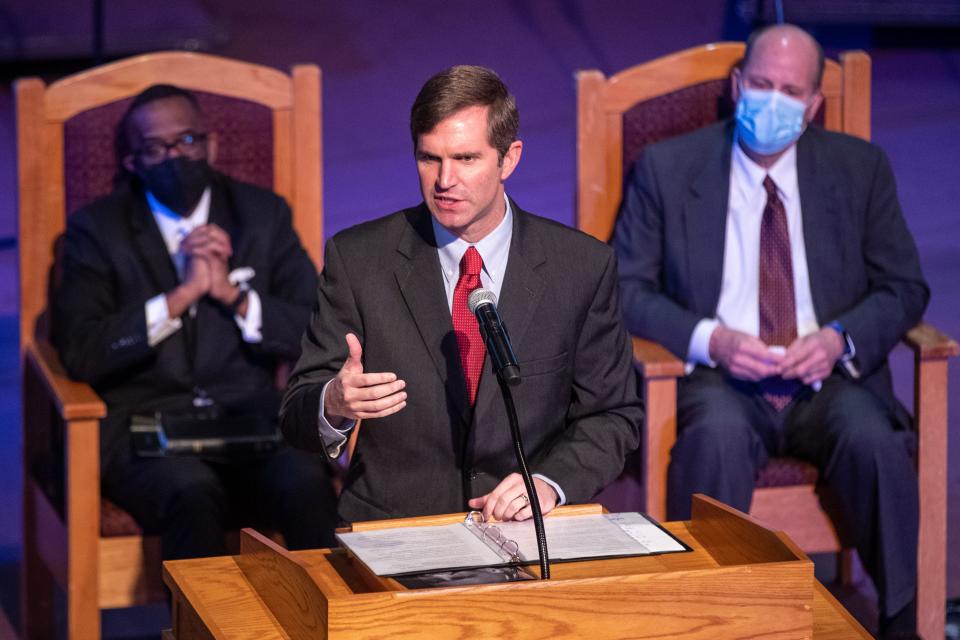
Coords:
pixel 393 343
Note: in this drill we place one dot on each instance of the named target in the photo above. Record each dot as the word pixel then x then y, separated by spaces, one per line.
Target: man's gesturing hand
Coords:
pixel 356 395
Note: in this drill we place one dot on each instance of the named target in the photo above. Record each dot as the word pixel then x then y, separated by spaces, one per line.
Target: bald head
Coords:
pixel 786 44
pixel 780 60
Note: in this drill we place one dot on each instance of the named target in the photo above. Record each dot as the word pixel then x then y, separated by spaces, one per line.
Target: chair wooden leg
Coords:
pixel 931 415
pixel 660 398
pixel 83 514
pixel 83 619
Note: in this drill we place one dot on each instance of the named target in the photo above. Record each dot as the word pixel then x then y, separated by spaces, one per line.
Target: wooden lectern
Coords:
pixel 741 580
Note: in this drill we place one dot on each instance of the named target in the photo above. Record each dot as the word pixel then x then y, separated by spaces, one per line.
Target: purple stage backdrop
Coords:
pixel 376 54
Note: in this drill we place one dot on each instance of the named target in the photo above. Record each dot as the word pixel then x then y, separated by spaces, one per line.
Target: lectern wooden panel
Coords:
pixel 741 580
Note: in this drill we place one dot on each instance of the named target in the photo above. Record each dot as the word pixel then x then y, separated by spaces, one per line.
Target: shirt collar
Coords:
pixel 751 175
pixel 493 247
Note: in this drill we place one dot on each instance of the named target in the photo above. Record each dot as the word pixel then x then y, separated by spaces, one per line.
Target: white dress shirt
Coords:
pixel 739 305
pixel 494 249
pixel 174 228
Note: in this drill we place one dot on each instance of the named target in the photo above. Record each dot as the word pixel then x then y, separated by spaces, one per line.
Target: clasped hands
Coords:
pixel 206 272
pixel 809 359
pixel 356 395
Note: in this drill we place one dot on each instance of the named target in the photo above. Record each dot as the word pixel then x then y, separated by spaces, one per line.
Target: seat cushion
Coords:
pixel 786 472
pixel 114 521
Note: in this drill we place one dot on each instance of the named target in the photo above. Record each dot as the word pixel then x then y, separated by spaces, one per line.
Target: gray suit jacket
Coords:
pixel 578 404
pixel 863 264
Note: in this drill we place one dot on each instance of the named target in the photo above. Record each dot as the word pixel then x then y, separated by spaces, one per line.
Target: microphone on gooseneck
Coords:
pixel 483 304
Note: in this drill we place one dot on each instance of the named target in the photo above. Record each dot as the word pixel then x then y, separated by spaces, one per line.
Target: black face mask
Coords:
pixel 177 182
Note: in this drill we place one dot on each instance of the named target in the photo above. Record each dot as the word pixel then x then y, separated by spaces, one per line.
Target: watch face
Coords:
pixel 240 299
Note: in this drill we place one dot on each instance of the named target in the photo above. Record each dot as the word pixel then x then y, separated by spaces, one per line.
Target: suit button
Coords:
pixel 473 475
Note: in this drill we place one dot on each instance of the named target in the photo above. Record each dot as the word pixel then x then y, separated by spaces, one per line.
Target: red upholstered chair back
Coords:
pixel 618 116
pixel 675 113
pixel 243 130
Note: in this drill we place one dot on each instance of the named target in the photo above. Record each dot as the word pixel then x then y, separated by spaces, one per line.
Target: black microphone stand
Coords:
pixel 527 479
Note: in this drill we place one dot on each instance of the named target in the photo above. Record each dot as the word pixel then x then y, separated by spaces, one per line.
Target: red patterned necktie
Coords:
pixel 465 326
pixel 778 307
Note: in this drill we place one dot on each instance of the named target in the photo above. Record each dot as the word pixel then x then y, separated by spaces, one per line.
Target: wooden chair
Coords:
pixel 616 118
pixel 268 128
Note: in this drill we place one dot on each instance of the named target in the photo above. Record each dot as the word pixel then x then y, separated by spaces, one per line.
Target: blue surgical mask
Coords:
pixel 768 121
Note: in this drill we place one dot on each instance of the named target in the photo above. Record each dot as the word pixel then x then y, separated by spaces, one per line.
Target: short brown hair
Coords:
pixel 464 86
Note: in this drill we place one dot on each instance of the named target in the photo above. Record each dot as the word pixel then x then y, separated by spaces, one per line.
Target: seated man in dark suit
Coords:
pixel 181 291
pixel 394 343
pixel 773 257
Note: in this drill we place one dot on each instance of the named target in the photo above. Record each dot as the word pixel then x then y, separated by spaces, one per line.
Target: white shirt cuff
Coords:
pixel 561 496
pixel 251 324
pixel 160 325
pixel 698 352
pixel 333 438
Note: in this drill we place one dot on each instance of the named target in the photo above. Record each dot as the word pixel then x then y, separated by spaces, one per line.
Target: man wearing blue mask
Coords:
pixel 773 257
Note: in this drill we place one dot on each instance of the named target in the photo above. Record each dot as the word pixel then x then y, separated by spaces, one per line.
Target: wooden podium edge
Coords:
pixel 306 595
pixel 292 592
pixel 453 518
pixel 735 538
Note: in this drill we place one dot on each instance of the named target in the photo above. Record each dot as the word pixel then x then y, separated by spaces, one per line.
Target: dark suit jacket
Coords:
pixel 114 260
pixel 862 261
pixel 578 405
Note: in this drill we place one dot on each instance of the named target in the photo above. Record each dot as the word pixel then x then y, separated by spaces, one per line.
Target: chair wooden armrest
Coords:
pixel 74 400
pixel 659 370
pixel 654 361
pixel 928 343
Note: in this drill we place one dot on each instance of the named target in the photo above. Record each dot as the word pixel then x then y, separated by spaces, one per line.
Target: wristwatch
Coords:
pixel 847 342
pixel 234 307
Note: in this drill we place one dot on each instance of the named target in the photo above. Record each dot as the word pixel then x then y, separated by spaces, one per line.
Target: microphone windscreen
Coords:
pixel 479 297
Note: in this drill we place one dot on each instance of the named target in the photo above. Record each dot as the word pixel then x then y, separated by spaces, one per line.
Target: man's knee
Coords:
pixel 719 437
pixel 192 486
pixel 858 421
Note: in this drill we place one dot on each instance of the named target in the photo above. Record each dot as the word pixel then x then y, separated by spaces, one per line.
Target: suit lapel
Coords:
pixel 222 214
pixel 156 259
pixel 821 212
pixel 520 297
pixel 705 220
pixel 150 244
pixel 204 330
pixel 421 284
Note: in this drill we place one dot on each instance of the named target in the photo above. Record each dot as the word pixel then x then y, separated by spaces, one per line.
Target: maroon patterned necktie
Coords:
pixel 778 307
pixel 465 326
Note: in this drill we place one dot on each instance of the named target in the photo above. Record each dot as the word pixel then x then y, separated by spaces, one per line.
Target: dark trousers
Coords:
pixel 727 432
pixel 191 502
